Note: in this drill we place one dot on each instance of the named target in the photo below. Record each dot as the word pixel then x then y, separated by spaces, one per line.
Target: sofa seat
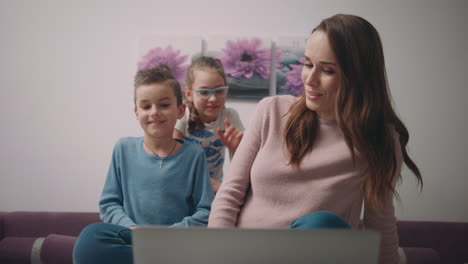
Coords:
pixel 49 237
pixel 41 237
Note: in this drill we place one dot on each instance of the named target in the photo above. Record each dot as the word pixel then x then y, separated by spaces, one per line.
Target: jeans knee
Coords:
pixel 103 243
pixel 93 228
pixel 319 219
pixel 86 241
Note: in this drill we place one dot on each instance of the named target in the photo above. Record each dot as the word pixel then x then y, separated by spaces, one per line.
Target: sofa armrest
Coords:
pixel 41 224
pixel 449 239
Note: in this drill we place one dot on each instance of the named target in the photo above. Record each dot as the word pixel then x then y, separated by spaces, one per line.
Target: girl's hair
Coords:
pixel 200 63
pixel 159 74
pixel 363 106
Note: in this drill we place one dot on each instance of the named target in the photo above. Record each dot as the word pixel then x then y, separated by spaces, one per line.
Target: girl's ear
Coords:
pixel 136 112
pixel 181 111
pixel 188 94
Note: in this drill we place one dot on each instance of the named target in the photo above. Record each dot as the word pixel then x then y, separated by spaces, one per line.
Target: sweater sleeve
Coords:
pixel 111 202
pixel 202 194
pixel 384 221
pixel 231 195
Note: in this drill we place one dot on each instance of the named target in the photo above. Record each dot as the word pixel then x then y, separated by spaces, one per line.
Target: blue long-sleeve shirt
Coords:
pixel 138 192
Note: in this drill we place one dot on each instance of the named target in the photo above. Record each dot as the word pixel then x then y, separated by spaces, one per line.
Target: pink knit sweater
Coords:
pixel 262 191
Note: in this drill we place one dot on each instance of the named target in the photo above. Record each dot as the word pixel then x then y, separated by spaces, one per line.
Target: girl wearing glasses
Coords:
pixel 207 121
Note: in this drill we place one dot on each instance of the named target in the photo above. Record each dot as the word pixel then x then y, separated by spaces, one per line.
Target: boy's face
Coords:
pixel 156 109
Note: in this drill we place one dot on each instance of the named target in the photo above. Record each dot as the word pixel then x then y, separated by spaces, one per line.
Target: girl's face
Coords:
pixel 208 109
pixel 156 109
pixel 321 75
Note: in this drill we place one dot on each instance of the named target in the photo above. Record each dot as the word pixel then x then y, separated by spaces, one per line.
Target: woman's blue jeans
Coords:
pixel 108 243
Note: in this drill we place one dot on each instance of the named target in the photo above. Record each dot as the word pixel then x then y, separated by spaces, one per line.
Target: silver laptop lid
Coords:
pixel 163 245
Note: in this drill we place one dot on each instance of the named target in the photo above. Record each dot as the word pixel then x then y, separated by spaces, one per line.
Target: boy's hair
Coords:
pixel 200 63
pixel 159 74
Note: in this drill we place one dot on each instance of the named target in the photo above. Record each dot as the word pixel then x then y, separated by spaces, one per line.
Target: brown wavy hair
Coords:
pixel 364 111
pixel 200 63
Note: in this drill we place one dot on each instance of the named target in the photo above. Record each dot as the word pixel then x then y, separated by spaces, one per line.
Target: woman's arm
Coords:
pixel 384 220
pixel 231 195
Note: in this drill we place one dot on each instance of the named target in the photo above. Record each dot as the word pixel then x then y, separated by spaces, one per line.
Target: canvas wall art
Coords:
pixel 176 52
pixel 247 62
pixel 289 65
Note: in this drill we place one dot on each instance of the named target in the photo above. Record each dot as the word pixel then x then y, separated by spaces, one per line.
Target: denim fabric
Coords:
pixel 103 243
pixel 319 219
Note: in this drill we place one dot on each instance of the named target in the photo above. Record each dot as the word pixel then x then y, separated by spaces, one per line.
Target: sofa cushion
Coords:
pixel 57 249
pixel 421 255
pixel 41 224
pixel 2 216
pixel 16 250
pixel 448 239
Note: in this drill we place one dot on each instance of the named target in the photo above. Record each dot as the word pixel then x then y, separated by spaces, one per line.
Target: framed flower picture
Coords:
pixel 247 63
pixel 289 65
pixel 176 52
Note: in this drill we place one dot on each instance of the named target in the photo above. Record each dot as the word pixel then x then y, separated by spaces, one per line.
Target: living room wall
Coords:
pixel 66 88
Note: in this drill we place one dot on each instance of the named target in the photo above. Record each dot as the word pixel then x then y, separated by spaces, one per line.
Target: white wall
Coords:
pixel 66 72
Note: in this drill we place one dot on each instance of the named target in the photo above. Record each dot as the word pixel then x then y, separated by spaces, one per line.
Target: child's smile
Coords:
pixel 207 108
pixel 156 109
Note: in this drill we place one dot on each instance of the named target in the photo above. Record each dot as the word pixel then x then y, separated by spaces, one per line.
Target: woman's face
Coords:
pixel 321 75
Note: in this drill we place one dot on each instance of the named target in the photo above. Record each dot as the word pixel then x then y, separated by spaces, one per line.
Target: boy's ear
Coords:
pixel 136 112
pixel 181 111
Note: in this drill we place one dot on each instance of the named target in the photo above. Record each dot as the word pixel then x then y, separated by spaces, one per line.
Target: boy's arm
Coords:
pixel 202 195
pixel 111 202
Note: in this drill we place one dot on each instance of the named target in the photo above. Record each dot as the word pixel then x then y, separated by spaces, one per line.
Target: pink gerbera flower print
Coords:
pixel 294 82
pixel 167 56
pixel 244 57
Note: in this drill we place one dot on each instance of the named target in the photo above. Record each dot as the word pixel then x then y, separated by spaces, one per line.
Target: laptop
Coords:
pixel 164 245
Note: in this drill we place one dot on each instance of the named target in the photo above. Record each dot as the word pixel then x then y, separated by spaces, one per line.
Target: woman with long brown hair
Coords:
pixel 312 161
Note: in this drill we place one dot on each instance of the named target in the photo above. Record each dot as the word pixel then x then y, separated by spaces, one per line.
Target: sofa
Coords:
pixel 48 238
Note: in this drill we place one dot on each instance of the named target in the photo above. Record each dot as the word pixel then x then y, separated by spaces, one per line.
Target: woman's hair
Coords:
pixel 364 111
pixel 200 63
pixel 159 74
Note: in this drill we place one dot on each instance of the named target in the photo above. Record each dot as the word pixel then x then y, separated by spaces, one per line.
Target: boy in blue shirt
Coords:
pixel 152 180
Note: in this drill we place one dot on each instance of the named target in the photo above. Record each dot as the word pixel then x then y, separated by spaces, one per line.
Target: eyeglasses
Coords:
pixel 219 92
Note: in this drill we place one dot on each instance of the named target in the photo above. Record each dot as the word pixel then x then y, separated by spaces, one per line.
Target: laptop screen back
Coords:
pixel 154 244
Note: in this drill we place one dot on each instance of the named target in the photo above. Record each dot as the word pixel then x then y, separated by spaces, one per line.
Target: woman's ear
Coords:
pixel 136 112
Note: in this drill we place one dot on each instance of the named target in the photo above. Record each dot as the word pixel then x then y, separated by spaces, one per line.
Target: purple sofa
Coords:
pixel 48 238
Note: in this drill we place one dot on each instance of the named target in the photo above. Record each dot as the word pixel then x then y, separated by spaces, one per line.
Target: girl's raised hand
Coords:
pixel 231 136
pixel 215 184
